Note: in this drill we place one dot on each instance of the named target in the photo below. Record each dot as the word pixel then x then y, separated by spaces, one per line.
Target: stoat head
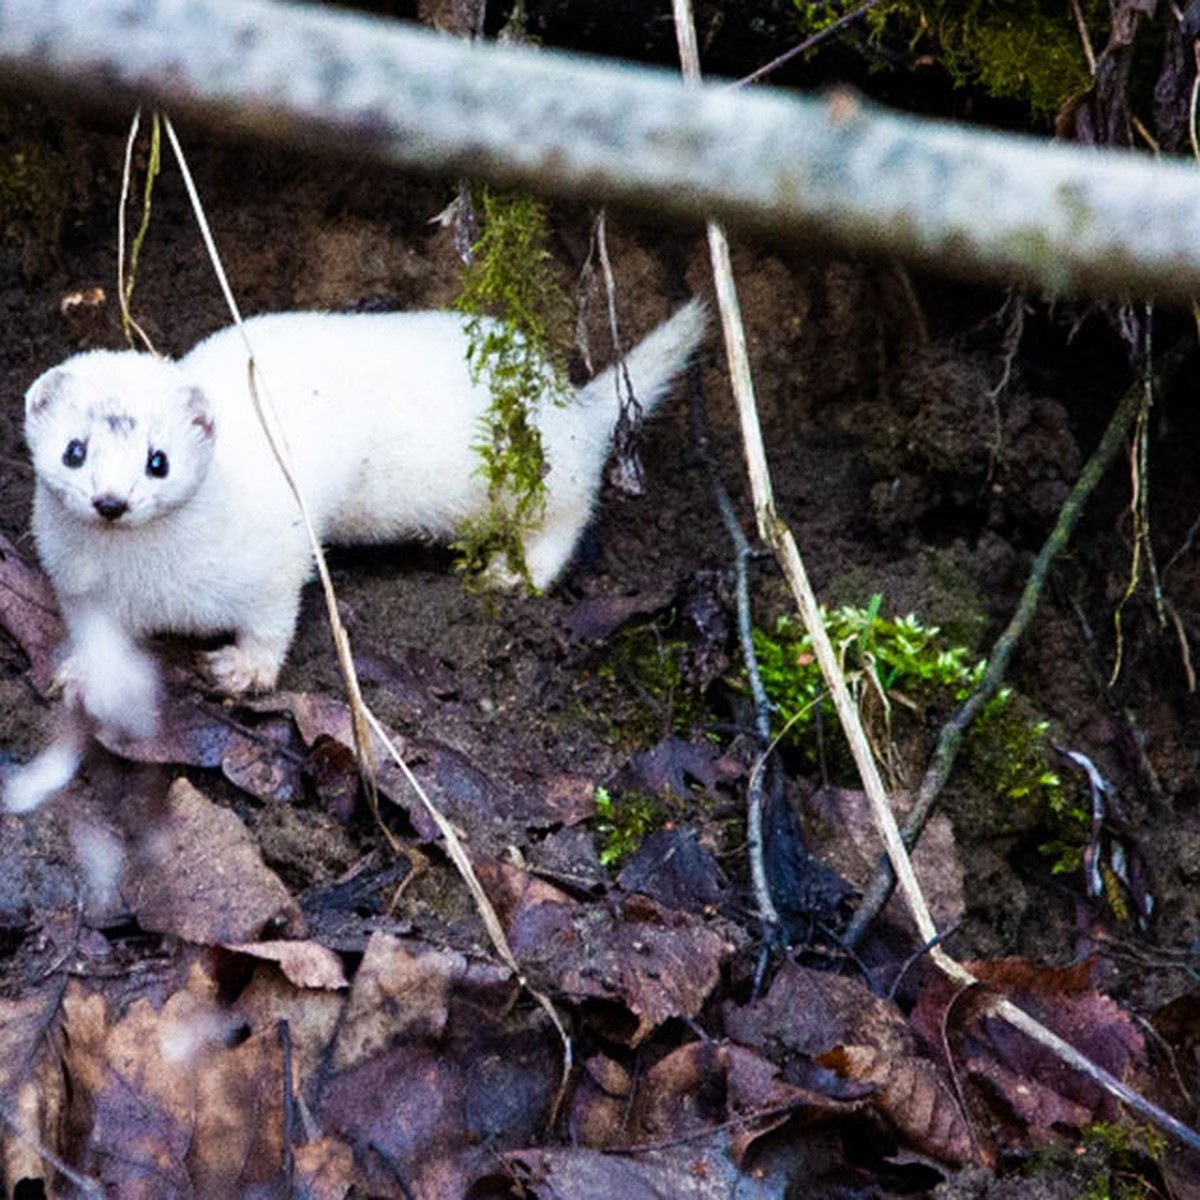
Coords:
pixel 119 438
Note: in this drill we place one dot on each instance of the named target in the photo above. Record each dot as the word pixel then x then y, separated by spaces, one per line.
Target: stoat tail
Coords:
pixel 655 361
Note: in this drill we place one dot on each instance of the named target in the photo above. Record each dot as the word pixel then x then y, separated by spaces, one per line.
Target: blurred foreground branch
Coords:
pixel 832 171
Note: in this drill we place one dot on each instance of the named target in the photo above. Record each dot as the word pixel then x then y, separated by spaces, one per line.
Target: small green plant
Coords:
pixel 888 659
pixel 892 662
pixel 623 823
pixel 512 302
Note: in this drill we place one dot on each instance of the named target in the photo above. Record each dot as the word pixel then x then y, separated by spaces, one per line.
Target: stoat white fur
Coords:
pixel 160 508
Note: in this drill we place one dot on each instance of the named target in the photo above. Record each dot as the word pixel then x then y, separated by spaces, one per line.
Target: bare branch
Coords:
pixel 832 171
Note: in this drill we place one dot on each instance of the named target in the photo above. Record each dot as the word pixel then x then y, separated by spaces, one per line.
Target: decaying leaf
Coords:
pixel 199 875
pixel 163 1102
pixel 306 964
pixel 843 834
pixel 598 617
pixel 647 962
pixel 197 732
pixel 29 613
pixel 672 868
pixel 434 1066
pixel 811 1012
pixel 915 1095
pixel 1021 1091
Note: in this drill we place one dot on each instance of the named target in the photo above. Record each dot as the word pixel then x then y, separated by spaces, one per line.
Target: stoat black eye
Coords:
pixel 157 465
pixel 75 453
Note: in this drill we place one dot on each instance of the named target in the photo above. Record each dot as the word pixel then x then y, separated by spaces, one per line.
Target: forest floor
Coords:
pixel 920 453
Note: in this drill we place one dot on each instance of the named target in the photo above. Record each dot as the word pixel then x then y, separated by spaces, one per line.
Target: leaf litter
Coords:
pixel 395 1058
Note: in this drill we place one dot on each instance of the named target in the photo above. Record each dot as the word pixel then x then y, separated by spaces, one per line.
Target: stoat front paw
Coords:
pixel 242 667
pixel 115 683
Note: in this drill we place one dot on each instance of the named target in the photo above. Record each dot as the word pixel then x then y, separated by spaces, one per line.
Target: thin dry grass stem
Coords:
pixel 365 723
pixel 1084 39
pixel 126 274
pixel 626 469
pixel 743 387
pixel 776 534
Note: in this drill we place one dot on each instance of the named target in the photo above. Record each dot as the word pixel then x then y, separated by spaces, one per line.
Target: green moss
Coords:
pixel 644 670
pixel 518 354
pixel 899 669
pixel 42 179
pixel 1110 1162
pixel 1008 756
pixel 1027 50
pixel 887 661
pixel 624 821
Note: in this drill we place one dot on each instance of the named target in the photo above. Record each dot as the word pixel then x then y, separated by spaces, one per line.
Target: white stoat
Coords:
pixel 160 508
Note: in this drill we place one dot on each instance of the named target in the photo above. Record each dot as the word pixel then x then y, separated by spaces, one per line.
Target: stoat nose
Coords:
pixel 111 508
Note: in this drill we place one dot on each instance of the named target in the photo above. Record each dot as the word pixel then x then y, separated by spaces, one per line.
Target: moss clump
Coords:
pixel 42 179
pixel 646 681
pixel 623 823
pixel 886 661
pixel 649 692
pixel 1110 1162
pixel 1027 50
pixel 1008 757
pixel 897 664
pixel 514 309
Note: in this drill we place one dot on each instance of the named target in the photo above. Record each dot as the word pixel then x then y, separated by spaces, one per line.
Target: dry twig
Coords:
pixel 831 170
pixel 779 537
pixel 364 721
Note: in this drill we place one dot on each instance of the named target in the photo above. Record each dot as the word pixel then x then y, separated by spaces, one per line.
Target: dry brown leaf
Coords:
pixel 674 869
pixel 240 1126
pixel 1023 1092
pixel 402 991
pixel 706 1085
pixel 455 785
pixel 810 1012
pixel 197 732
pixel 24 1024
pixel 199 876
pixel 915 1095
pixel 844 837
pixel 701 1168
pixel 306 964
pixel 269 1000
pixel 595 618
pixel 162 1102
pixel 435 1069
pixel 653 962
pixel 32 1086
pixel 29 613
pixel 325 1170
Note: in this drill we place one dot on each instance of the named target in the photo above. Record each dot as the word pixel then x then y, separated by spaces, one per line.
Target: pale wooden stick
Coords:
pixel 775 532
pixel 363 720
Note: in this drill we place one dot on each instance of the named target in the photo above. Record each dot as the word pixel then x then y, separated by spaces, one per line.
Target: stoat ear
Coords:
pixel 45 391
pixel 199 411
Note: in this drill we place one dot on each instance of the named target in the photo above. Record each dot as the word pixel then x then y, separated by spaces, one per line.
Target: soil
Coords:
pixel 902 465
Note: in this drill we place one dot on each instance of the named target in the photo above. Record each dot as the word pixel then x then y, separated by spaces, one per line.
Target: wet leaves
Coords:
pixel 200 877
pixel 185 1012
pixel 1024 1091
